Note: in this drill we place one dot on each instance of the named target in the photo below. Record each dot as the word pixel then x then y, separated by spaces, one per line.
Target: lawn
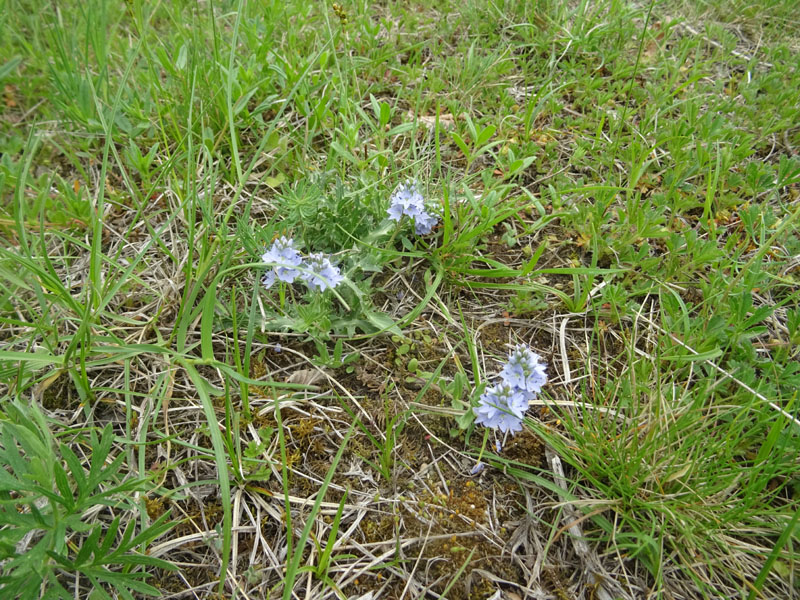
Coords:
pixel 393 300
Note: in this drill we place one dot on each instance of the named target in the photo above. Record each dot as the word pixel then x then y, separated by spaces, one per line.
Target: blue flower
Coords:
pixel 407 200
pixel 502 407
pixel 425 223
pixel 524 370
pixel 321 274
pixel 283 259
pixel 521 379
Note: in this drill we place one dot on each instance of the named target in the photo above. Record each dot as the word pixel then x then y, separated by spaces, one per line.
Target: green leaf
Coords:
pixel 680 358
pixel 241 103
pixel 9 66
pixel 220 459
pixel 36 359
pixel 786 535
pixel 158 528
pixel 397 130
pixel 10 483
pixel 344 153
pixel 122 581
pixel 386 114
pixel 520 165
pixel 376 108
pixel 108 541
pixel 460 143
pixel 275 181
pixel 294 563
pixel 465 420
pixel 326 555
pixel 89 545
pixel 382 322
pixel 62 483
pixel 485 135
pixel 531 264
pixel 207 324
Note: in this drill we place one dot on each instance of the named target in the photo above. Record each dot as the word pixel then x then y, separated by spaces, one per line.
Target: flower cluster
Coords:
pixel 322 274
pixel 287 265
pixel 407 200
pixel 503 405
pixel 284 260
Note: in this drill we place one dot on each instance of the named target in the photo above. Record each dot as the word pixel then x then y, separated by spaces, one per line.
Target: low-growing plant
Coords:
pixel 59 518
pixel 386 447
pixel 326 558
pixel 334 360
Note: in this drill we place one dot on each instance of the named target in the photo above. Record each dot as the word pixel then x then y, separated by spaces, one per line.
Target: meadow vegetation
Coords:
pixel 614 185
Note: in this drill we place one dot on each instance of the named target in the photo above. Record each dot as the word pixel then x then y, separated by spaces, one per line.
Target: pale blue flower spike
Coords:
pixel 407 200
pixel 283 259
pixel 503 406
pixel 321 274
pixel 424 223
pixel 524 370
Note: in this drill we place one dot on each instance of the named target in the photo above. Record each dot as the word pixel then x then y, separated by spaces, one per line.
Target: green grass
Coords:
pixel 618 188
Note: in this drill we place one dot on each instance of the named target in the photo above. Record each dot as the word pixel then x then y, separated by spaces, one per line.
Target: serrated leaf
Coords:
pixel 89 545
pixel 10 483
pixel 62 483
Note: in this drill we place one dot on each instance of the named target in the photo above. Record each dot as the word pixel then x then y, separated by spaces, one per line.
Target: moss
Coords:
pixel 61 394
